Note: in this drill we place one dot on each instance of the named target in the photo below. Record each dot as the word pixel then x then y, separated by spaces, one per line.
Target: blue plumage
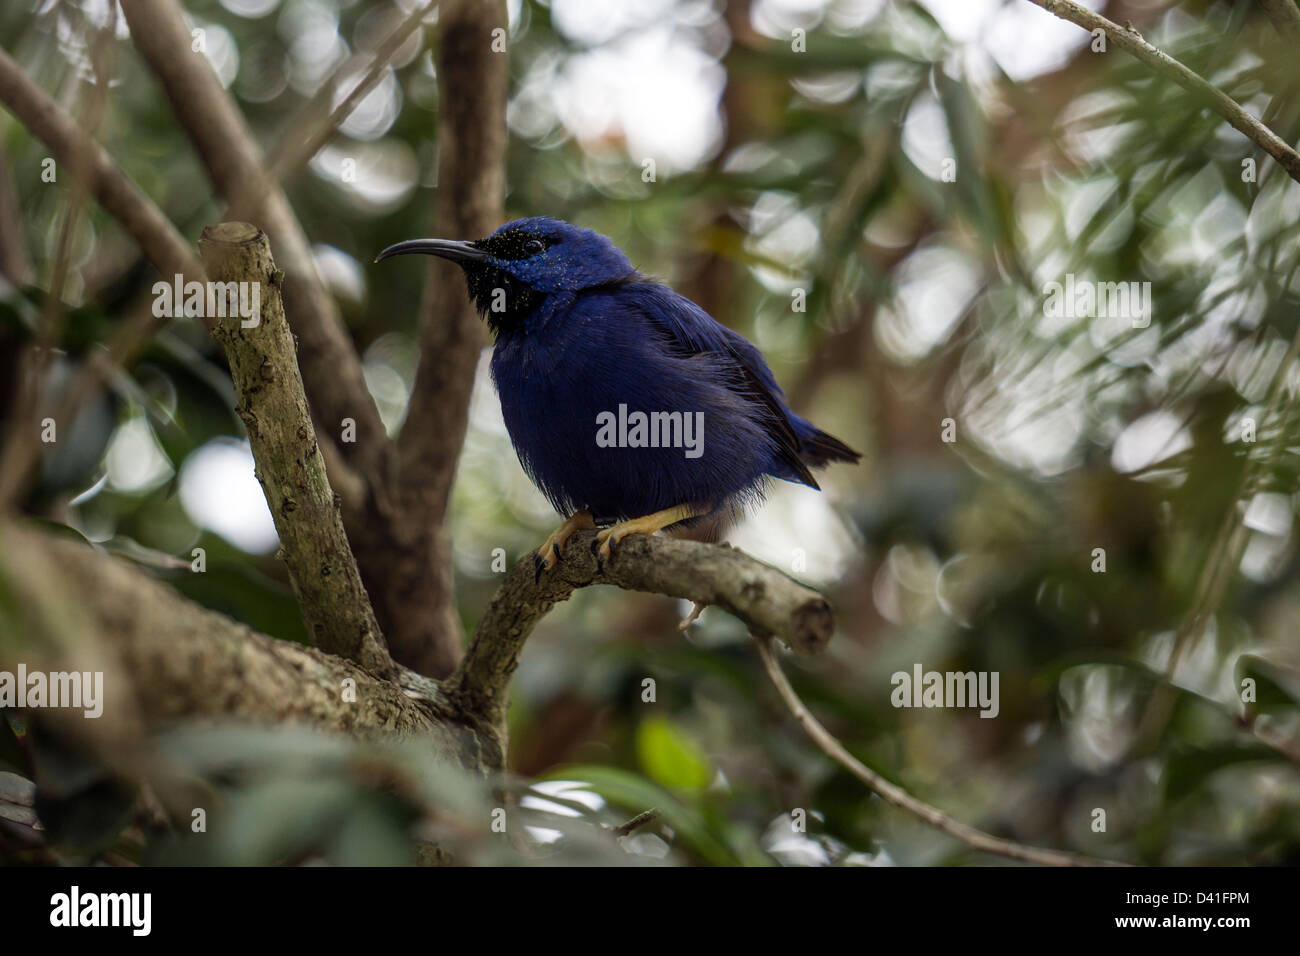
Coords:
pixel 583 343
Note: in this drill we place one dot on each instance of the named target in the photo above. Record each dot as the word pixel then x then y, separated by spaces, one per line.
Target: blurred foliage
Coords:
pixel 925 301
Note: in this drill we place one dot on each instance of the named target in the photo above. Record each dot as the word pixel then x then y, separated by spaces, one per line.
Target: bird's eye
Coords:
pixel 534 246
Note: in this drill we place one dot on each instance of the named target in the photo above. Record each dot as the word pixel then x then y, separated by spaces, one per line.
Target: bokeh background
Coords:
pixel 780 177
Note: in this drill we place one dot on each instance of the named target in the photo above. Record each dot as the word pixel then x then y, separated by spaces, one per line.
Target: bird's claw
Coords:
pixel 548 555
pixel 603 543
pixel 545 558
pixel 606 538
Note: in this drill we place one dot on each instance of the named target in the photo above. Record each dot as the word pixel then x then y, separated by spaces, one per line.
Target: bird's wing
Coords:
pixel 689 330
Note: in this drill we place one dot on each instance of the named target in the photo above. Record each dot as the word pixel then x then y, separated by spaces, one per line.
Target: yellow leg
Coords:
pixel 647 525
pixel 549 552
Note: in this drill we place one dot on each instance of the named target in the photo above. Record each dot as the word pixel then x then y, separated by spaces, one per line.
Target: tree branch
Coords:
pixel 976 839
pixel 643 818
pixel 15 262
pixel 317 122
pixel 472 87
pixel 397 532
pixel 473 83
pixel 415 558
pixel 1131 42
pixel 330 366
pixel 113 189
pixel 764 598
pixel 308 515
pixel 173 659
pixel 402 553
pixel 1285 16
pixel 135 212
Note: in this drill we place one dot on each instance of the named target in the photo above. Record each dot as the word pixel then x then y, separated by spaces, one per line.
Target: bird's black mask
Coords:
pixel 502 297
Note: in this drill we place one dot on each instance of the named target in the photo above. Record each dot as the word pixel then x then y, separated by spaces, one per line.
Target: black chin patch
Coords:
pixel 500 298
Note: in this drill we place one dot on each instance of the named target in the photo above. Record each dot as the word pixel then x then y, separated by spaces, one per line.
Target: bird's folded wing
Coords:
pixel 689 330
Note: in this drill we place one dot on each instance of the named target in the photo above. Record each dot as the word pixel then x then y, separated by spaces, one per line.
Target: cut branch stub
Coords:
pixel 251 328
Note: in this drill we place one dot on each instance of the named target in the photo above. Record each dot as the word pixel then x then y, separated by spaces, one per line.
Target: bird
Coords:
pixel 630 407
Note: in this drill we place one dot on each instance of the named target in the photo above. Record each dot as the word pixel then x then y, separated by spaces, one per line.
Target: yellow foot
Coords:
pixel 549 553
pixel 648 524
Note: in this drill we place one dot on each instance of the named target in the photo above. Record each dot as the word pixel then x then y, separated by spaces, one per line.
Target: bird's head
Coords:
pixel 512 271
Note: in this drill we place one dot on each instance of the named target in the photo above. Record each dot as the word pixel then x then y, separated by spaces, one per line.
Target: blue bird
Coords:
pixel 630 407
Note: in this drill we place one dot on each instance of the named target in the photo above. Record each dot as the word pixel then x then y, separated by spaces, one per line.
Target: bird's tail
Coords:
pixel 817 448
pixel 820 449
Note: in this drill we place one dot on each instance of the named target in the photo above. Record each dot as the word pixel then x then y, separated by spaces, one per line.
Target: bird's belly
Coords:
pixel 609 435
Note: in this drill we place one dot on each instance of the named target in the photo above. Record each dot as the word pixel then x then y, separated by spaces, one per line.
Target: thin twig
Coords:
pixel 331 367
pixel 638 821
pixel 120 197
pixel 73 147
pixel 1225 553
pixel 1220 567
pixel 309 132
pixel 21 445
pixel 976 839
pixel 1131 41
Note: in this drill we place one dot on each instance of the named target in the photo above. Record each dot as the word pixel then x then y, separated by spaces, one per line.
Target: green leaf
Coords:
pixel 671 758
pixel 1189 767
pixel 635 794
pixel 1277 682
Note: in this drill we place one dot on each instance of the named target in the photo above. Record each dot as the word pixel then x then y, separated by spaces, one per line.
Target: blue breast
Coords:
pixel 564 373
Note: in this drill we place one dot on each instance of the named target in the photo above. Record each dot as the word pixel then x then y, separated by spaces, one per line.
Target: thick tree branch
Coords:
pixel 178 660
pixel 331 368
pixel 416 603
pixel 402 552
pixel 171 658
pixel 307 514
pixel 976 839
pixel 1131 41
pixel 761 596
pixel 472 87
pixel 397 531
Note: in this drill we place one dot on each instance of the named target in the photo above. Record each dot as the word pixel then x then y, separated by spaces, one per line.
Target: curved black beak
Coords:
pixel 457 250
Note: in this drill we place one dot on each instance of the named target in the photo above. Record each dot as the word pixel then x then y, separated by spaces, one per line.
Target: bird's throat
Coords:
pixel 504 301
